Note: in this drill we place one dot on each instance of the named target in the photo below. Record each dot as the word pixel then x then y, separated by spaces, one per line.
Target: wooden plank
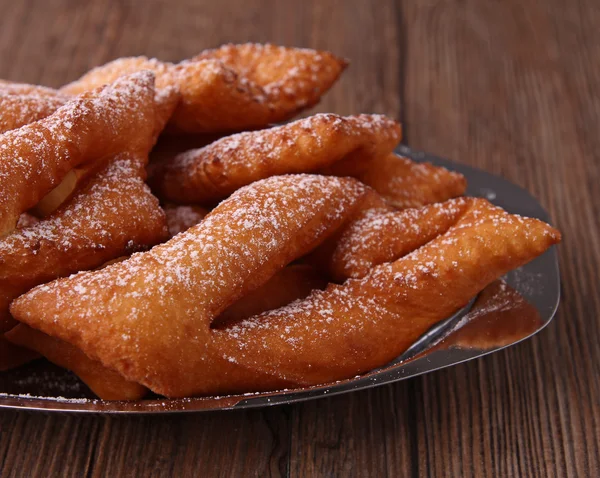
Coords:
pixel 512 87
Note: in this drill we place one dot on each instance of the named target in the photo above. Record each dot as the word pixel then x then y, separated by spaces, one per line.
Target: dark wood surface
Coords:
pixel 510 86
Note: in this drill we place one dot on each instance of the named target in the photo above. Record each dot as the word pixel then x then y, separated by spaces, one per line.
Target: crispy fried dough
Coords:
pixel 112 214
pixel 211 173
pixel 333 334
pixel 189 280
pixel 363 324
pixel 291 283
pixel 105 383
pixel 35 158
pixel 19 110
pixel 405 183
pixel 233 88
pixel 23 344
pixel 292 78
pixel 381 236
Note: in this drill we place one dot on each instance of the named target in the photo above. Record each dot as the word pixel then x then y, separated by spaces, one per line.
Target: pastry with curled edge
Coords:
pixel 215 171
pixel 23 343
pixel 35 158
pixel 232 88
pixel 382 235
pixel 19 110
pixel 405 183
pixel 112 213
pixel 149 318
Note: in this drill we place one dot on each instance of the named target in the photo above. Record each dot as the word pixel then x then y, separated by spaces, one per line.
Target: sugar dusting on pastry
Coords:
pixel 35 157
pixel 307 145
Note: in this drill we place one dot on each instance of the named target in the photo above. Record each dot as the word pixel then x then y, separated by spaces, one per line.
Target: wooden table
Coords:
pixel 512 87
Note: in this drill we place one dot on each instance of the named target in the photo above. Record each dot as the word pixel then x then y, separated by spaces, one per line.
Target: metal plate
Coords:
pixel 504 314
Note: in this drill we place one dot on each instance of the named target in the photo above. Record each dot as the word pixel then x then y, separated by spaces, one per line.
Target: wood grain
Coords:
pixel 512 87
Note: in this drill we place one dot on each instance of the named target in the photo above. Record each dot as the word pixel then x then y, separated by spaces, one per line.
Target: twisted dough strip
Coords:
pixel 211 173
pixel 23 343
pixel 35 158
pixel 190 279
pixel 363 324
pixel 220 98
pixel 380 235
pixel 404 183
pixel 233 251
pixel 112 214
pixel 19 110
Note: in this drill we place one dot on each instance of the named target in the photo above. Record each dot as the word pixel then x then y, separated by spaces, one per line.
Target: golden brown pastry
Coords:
pixel 381 235
pixel 112 214
pixel 19 110
pixel 202 271
pixel 365 323
pixel 35 158
pixel 211 173
pixel 23 344
pixel 103 382
pixel 261 85
pixel 291 283
pixel 405 183
pixel 149 318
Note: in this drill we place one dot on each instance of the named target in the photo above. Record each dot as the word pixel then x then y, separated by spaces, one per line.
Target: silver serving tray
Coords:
pixel 504 314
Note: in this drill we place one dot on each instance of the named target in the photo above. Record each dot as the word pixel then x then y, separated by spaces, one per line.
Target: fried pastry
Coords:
pixel 333 334
pixel 275 221
pixel 293 78
pixel 234 88
pixel 105 383
pixel 23 344
pixel 405 183
pixel 112 214
pixel 381 236
pixel 211 173
pixel 19 110
pixel 365 323
pixel 35 158
pixel 291 283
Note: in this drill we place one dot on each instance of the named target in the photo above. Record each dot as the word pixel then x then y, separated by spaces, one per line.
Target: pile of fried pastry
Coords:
pixel 164 227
